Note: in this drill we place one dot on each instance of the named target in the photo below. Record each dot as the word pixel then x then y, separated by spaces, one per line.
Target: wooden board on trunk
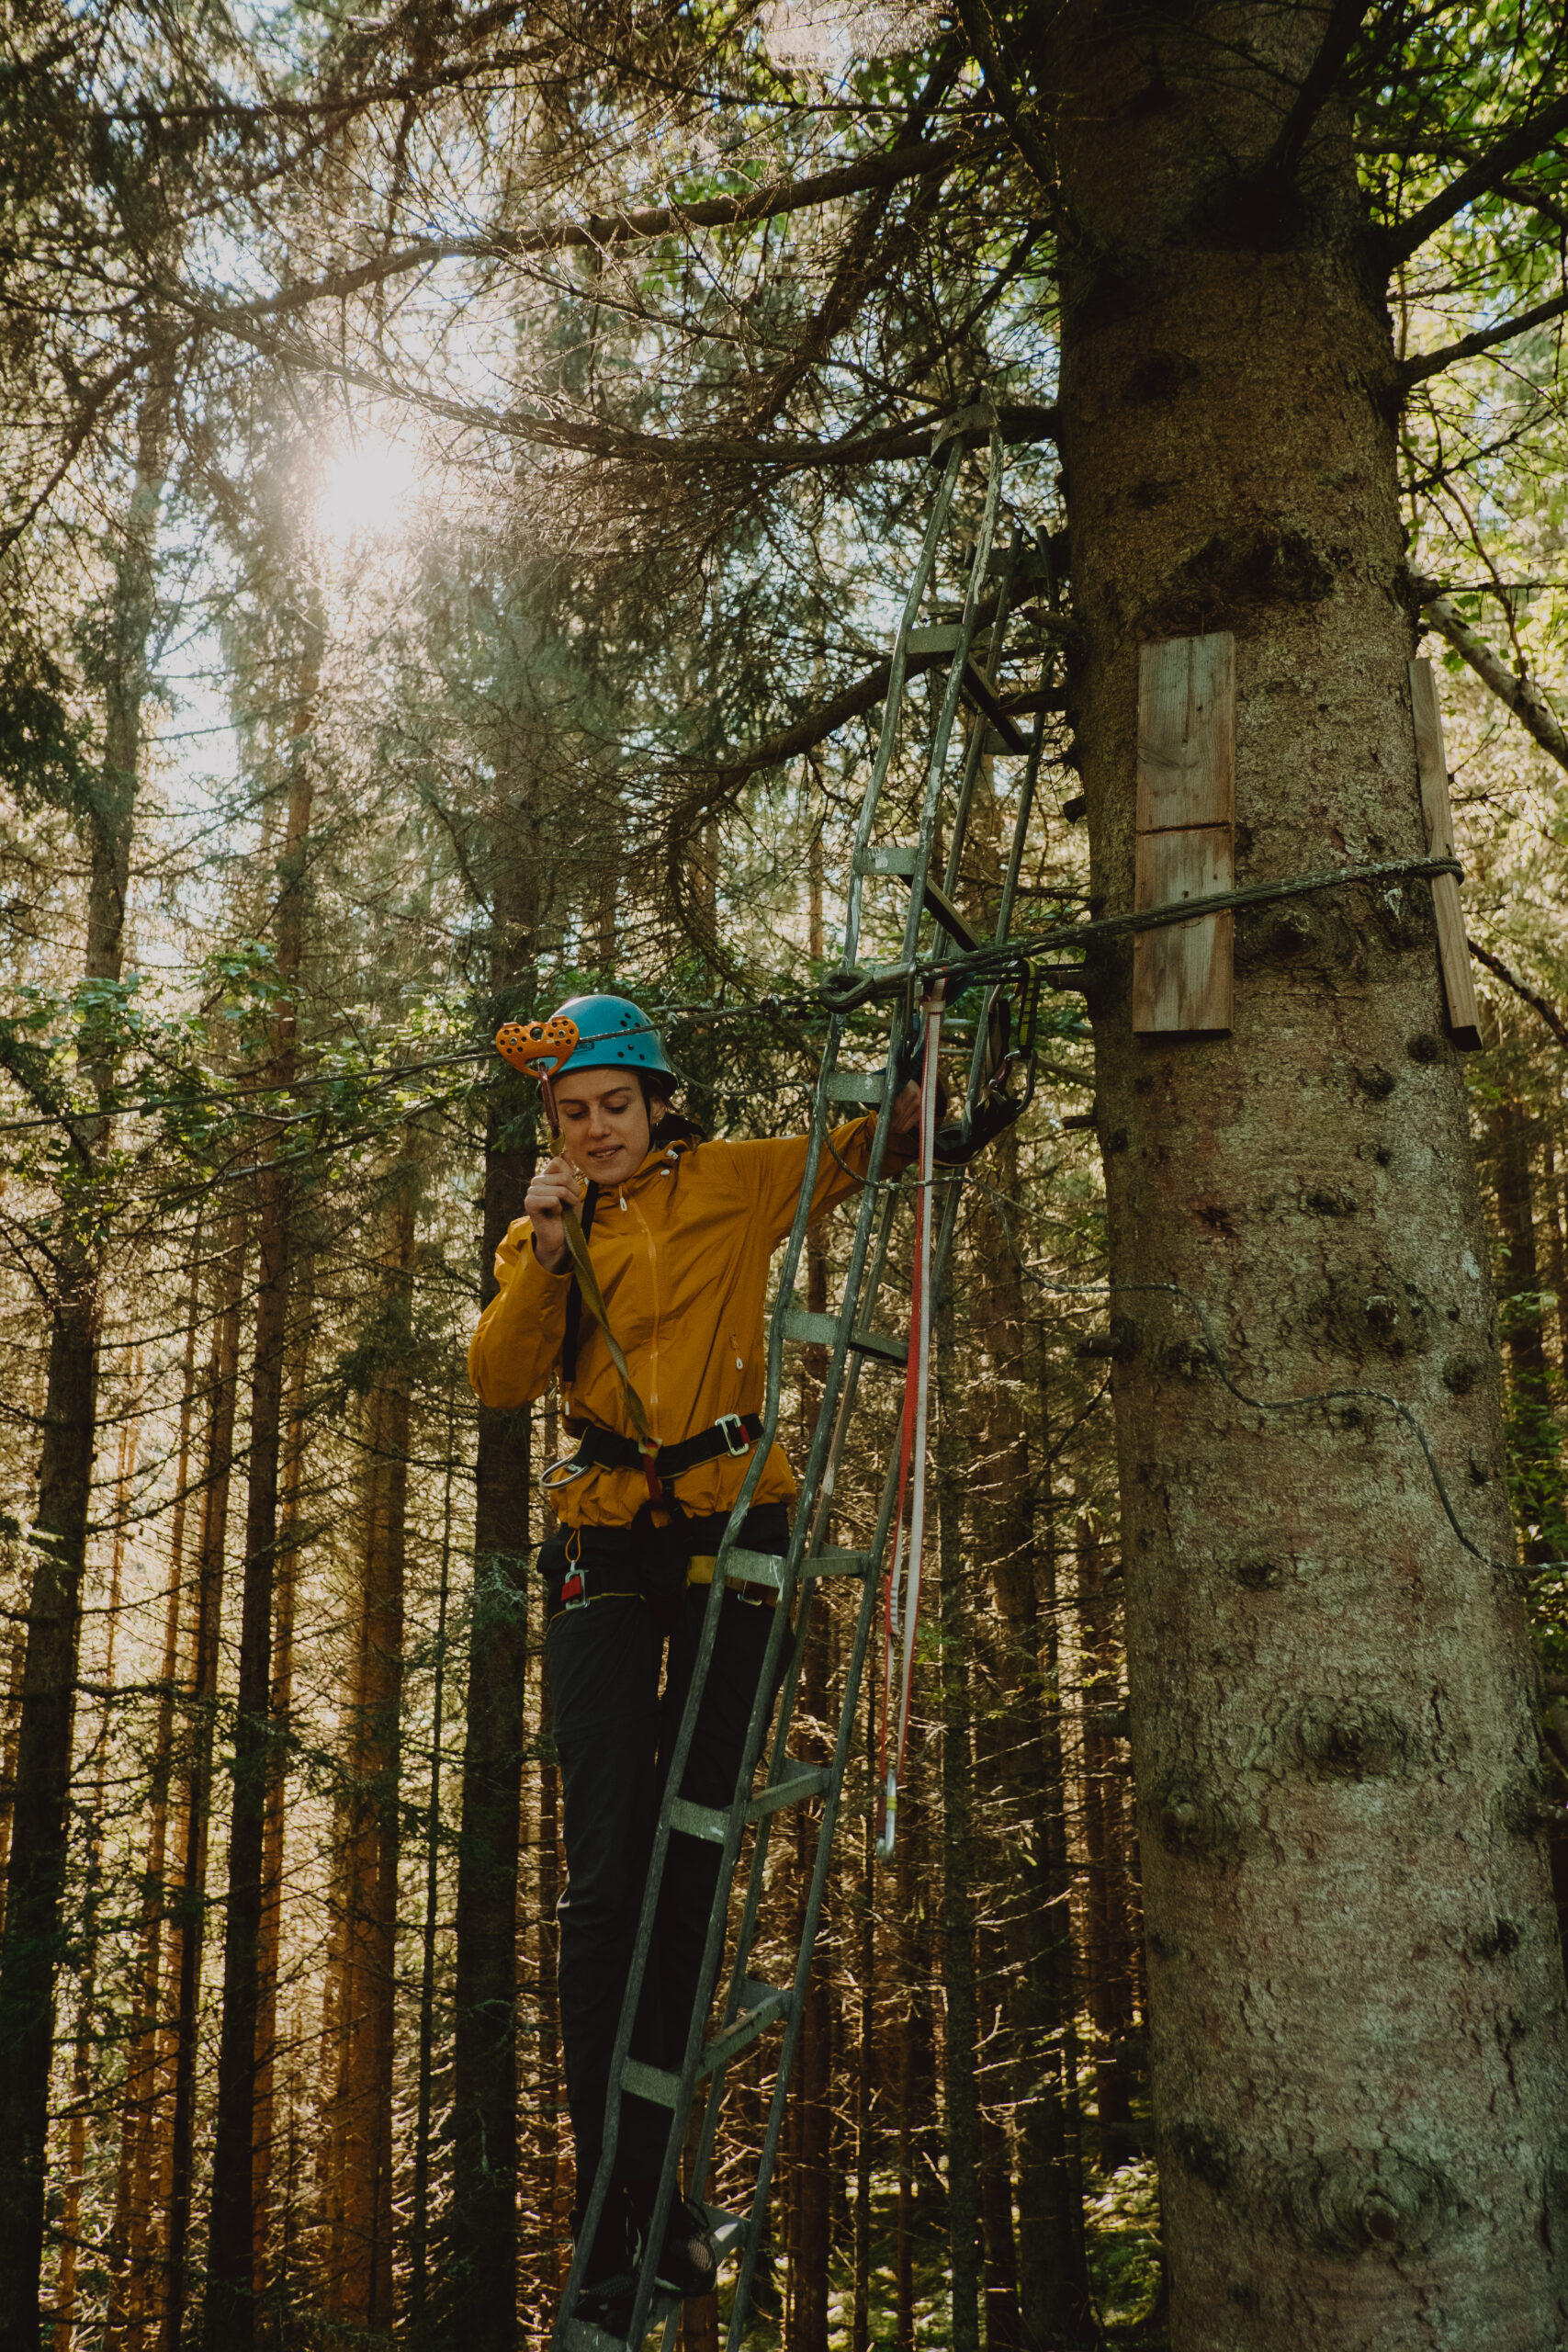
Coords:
pixel 1453 950
pixel 1186 808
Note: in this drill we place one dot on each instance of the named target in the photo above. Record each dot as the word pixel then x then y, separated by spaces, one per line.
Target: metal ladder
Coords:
pixel 751 2008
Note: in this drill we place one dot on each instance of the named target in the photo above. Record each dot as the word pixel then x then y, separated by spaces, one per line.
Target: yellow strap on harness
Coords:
pixel 700 1568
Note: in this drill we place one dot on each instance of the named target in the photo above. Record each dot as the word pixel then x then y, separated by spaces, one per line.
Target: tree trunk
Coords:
pixel 481 2258
pixel 1357 2019
pixel 1053 2285
pixel 86 1957
pixel 187 1915
pixel 229 2319
pixel 419 2223
pixel 273 1837
pixel 30 1950
pixel 960 2038
pixel 130 2234
pixel 360 2281
pixel 1107 1983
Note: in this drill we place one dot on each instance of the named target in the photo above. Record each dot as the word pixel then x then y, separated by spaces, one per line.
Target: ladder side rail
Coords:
pixel 974 747
pixel 1021 823
pixel 1009 896
pixel 641 1947
pixel 940 738
pixel 691 2063
pixel 817 1513
pixel 897 681
pixel 847 1724
pixel 845 1734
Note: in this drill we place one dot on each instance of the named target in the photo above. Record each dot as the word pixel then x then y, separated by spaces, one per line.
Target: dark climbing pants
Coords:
pixel 614 1732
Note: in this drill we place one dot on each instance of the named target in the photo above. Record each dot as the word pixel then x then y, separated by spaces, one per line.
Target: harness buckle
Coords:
pixel 732 1429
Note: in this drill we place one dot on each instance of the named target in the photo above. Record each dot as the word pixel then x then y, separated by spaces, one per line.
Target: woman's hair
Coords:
pixel 664 1124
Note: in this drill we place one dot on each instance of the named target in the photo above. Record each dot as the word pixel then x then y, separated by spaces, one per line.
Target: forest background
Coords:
pixel 462 470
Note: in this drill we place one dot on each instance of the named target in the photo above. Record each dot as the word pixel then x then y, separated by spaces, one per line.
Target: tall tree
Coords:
pixel 230 2313
pixel 1324 1679
pixel 481 2250
pixel 31 1951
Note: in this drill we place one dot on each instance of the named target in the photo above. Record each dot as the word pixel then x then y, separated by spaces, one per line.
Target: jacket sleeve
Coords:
pixel 775 1171
pixel 518 1343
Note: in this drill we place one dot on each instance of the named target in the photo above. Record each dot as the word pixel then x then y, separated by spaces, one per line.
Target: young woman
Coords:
pixel 681 1232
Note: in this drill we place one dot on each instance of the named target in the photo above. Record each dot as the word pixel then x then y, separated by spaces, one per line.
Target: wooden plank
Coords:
pixel 1453 950
pixel 1186 732
pixel 1183 974
pixel 1185 810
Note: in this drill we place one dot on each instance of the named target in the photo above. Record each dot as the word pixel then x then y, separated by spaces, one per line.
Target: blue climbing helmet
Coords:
pixel 610 1030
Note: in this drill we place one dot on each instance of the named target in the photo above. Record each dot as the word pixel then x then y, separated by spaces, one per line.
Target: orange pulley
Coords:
pixel 528 1043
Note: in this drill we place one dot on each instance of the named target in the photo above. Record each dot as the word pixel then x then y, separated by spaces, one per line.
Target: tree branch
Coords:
pixel 1552 1019
pixel 760 203
pixel 1345 21
pixel 100 398
pixel 1020 419
pixel 1516 147
pixel 1002 88
pixel 1432 363
pixel 1523 696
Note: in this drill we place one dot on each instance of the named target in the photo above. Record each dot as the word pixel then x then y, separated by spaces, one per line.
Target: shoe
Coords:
pixel 687 2264
pixel 609 2285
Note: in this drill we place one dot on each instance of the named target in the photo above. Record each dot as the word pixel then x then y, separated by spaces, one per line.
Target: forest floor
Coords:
pixel 1121 2226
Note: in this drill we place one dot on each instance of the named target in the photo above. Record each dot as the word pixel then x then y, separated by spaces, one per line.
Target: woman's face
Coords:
pixel 604 1123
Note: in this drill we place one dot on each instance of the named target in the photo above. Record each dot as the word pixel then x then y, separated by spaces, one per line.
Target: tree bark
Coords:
pixel 276 1825
pixel 187 1914
pixel 1108 1984
pixel 1356 1986
pixel 480 2272
pixel 31 1949
pixel 129 2237
pixel 1053 2283
pixel 419 2223
pixel 960 2037
pixel 359 2286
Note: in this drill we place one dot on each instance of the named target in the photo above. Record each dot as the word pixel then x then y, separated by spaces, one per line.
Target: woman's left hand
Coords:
pixel 906 1116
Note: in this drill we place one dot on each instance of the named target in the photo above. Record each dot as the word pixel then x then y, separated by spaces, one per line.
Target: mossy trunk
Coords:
pixel 1356 1985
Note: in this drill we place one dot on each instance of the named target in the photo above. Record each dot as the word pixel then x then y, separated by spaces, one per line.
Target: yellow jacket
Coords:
pixel 682 1251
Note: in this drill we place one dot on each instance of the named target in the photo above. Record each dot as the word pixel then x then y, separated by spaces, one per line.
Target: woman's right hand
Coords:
pixel 556 1189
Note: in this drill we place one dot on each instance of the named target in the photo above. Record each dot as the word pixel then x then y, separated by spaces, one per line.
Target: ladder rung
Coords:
pixel 762 2006
pixel 727 2231
pixel 890 861
pixel 582 2335
pixel 834 1561
pixel 856 1085
pixel 650 2082
pixel 754 1568
pixel 945 638
pixel 822 1331
pixel 811 1330
pixel 699 1821
pixel 886 1346
pixel 806 1780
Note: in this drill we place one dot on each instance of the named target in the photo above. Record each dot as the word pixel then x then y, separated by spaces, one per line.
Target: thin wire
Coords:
pixel 1294 1403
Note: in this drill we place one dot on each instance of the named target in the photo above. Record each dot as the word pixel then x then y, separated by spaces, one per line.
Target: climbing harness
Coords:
pixel 922 993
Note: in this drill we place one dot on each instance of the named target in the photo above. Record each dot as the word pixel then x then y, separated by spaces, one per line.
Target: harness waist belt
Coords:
pixel 602 1449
